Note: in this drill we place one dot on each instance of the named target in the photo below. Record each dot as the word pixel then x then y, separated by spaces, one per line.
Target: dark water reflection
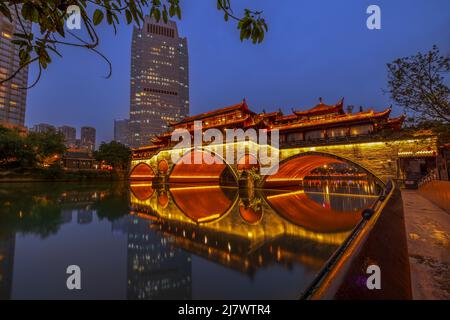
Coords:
pixel 182 242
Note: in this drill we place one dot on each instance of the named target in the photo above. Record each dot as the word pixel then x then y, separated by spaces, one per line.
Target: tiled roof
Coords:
pixel 243 106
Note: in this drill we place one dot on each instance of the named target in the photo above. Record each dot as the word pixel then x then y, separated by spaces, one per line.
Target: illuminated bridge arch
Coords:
pixel 204 203
pixel 294 169
pixel 186 171
pixel 142 171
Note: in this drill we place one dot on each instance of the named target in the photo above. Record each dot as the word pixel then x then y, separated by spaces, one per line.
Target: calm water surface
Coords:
pixel 181 242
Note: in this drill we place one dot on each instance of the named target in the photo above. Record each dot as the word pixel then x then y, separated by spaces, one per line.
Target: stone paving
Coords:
pixel 428 232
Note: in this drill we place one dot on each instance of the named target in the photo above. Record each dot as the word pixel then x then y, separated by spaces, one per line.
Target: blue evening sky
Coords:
pixel 314 48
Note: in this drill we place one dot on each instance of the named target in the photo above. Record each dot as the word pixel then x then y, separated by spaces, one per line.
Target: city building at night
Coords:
pixel 43 127
pixel 88 138
pixel 121 131
pixel 70 135
pixel 159 80
pixel 13 94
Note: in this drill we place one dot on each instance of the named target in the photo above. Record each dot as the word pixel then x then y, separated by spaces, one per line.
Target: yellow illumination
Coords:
pixel 287 194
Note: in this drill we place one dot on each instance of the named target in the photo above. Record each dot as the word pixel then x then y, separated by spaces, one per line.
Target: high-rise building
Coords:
pixel 88 138
pixel 159 80
pixel 42 127
pixel 121 131
pixel 13 96
pixel 70 135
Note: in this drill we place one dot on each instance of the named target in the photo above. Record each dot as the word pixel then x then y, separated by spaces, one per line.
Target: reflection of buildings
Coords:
pixel 84 216
pixel 156 269
pixel 7 246
pixel 66 215
pixel 120 225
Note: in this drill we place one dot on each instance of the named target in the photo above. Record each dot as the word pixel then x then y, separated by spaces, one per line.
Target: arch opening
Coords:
pixel 293 170
pixel 142 171
pixel 206 172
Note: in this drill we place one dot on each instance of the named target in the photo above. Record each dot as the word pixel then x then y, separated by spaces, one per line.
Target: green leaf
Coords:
pixel 98 17
pixel 165 17
pixel 128 16
pixel 5 11
pixel 19 42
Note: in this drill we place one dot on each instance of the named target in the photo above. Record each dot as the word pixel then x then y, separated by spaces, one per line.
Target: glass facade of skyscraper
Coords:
pixel 159 80
pixel 13 96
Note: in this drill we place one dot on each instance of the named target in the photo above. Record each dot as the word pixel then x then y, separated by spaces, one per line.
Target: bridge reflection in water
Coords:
pixel 278 227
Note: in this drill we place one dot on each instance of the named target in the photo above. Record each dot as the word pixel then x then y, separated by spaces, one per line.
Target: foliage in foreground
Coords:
pixel 417 83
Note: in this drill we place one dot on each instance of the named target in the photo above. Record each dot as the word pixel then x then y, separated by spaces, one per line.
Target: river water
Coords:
pixel 178 242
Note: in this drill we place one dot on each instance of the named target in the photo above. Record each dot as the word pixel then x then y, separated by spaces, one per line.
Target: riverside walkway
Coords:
pixel 428 232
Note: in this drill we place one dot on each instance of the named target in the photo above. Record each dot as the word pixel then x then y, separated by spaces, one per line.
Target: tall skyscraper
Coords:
pixel 12 97
pixel 121 131
pixel 88 138
pixel 159 80
pixel 70 135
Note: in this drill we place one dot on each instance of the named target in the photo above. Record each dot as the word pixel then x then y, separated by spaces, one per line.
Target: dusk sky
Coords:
pixel 314 48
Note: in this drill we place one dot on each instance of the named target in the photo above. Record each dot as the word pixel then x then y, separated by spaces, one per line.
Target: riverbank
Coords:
pixel 51 175
pixel 428 233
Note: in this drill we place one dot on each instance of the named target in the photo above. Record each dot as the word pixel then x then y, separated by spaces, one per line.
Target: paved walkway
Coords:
pixel 428 231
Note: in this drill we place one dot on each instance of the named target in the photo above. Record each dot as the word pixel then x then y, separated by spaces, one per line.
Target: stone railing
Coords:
pixel 431 176
pixel 378 241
